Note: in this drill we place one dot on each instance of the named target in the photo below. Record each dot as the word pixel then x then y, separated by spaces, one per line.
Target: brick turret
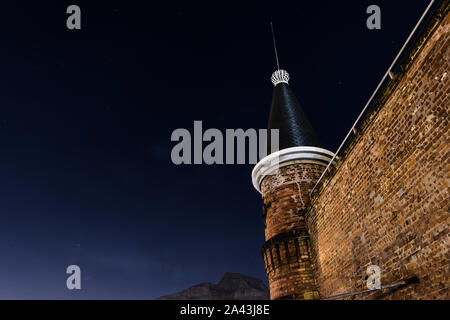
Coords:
pixel 285 178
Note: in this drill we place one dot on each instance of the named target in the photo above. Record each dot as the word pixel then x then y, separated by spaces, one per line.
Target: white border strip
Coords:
pixel 269 164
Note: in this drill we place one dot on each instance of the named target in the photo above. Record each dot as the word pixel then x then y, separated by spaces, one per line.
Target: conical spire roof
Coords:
pixel 288 117
pixel 297 139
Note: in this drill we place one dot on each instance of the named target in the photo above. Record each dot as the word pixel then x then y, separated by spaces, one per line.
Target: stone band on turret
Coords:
pixel 269 164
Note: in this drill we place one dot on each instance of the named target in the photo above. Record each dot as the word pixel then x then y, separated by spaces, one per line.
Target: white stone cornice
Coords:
pixel 269 164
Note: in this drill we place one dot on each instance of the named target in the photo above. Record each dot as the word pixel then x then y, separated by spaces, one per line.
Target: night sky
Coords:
pixel 86 118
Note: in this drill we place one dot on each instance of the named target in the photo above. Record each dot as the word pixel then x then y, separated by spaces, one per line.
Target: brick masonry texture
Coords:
pixel 289 267
pixel 388 204
pixel 286 196
pixel 287 254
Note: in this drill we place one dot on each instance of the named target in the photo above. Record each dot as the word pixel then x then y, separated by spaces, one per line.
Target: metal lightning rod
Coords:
pixel 274 45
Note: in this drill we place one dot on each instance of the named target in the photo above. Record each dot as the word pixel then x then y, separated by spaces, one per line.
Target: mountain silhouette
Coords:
pixel 232 286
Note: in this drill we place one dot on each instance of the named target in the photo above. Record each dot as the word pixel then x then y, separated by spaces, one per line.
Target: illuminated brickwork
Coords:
pixel 388 204
pixel 286 253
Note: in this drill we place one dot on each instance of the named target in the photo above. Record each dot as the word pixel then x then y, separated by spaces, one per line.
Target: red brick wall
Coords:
pixel 287 255
pixel 289 267
pixel 285 194
pixel 388 204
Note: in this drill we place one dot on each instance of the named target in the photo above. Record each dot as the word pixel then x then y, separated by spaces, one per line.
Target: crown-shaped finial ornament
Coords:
pixel 280 76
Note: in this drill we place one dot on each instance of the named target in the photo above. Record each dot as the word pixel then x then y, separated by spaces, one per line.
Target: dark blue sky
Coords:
pixel 86 118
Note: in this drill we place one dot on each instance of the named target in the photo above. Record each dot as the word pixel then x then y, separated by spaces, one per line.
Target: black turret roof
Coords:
pixel 287 115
